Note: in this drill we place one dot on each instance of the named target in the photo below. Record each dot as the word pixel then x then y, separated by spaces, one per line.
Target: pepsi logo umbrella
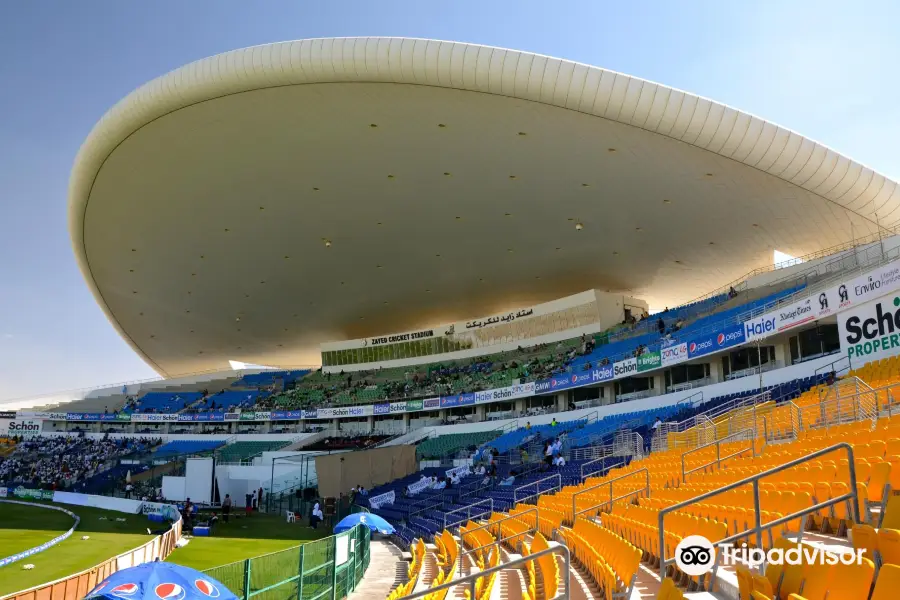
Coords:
pixel 373 522
pixel 160 581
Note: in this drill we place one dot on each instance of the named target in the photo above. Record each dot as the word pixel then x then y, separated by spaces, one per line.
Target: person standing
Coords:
pixel 316 516
pixel 248 504
pixel 226 507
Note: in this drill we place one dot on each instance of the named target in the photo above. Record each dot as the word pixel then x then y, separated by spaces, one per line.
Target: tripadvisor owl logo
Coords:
pixel 695 555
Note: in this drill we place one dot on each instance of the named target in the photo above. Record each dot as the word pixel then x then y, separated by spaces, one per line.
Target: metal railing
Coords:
pixel 795 418
pixel 538 490
pixel 576 512
pixel 602 467
pixel 470 580
pixel 853 244
pixel 326 569
pixel 758 525
pixel 718 444
pixel 662 441
pixel 468 510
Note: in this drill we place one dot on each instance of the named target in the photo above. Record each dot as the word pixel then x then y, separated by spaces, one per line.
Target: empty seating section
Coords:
pixel 417 551
pixel 638 421
pixel 611 560
pixel 239 451
pixel 228 400
pixel 177 448
pixel 882 375
pixel 446 445
pixel 648 335
pixel 166 402
pixel 267 378
pixel 514 439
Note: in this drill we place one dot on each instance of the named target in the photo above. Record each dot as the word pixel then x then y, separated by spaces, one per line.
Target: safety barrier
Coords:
pixel 327 569
pixel 79 584
pixel 759 526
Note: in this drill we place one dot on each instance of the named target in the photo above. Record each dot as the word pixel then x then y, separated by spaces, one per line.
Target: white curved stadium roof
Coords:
pixel 447 178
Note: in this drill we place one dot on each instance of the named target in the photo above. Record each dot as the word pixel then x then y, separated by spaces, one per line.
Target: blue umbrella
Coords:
pixel 373 522
pixel 160 581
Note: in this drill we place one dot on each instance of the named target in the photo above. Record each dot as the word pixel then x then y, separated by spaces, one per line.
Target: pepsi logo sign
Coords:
pixel 125 590
pixel 170 591
pixel 206 588
pixel 720 339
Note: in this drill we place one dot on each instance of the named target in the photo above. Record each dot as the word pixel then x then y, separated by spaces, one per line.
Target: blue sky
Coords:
pixel 825 69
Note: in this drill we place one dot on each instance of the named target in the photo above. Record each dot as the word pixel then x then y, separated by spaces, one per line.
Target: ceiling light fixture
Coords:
pixel 578 226
pixel 666 201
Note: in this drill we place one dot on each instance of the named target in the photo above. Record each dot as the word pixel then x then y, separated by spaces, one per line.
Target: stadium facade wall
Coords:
pixel 485 352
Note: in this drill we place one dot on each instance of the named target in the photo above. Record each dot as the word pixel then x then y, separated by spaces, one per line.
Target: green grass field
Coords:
pixel 23 527
pixel 244 538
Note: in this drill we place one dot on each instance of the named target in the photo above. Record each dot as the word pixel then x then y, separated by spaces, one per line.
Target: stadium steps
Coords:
pixel 386 570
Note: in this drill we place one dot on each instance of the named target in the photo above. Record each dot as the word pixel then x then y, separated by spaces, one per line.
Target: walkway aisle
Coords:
pixel 387 569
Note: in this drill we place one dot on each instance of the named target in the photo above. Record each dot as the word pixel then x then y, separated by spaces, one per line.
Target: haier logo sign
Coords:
pixel 759 328
pixel 382 409
pixel 604 373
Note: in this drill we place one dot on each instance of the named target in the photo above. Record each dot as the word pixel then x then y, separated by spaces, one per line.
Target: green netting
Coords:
pixel 327 569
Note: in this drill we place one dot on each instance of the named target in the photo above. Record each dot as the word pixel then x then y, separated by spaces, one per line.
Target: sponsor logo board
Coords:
pixel 871 330
pixel 858 291
pixel 649 361
pixel 674 354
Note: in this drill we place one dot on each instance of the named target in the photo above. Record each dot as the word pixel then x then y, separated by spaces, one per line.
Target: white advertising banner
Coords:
pixel 153 418
pixel 871 330
pixel 625 368
pixel 47 416
pixel 848 294
pixel 674 354
pixel 26 428
pixel 382 499
pixel 105 502
pixel 347 411
pixel 522 390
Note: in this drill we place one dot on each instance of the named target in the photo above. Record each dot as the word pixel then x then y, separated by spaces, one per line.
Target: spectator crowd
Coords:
pixel 61 462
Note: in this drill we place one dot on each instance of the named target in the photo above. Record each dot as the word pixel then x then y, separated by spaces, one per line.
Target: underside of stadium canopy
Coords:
pixel 254 204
